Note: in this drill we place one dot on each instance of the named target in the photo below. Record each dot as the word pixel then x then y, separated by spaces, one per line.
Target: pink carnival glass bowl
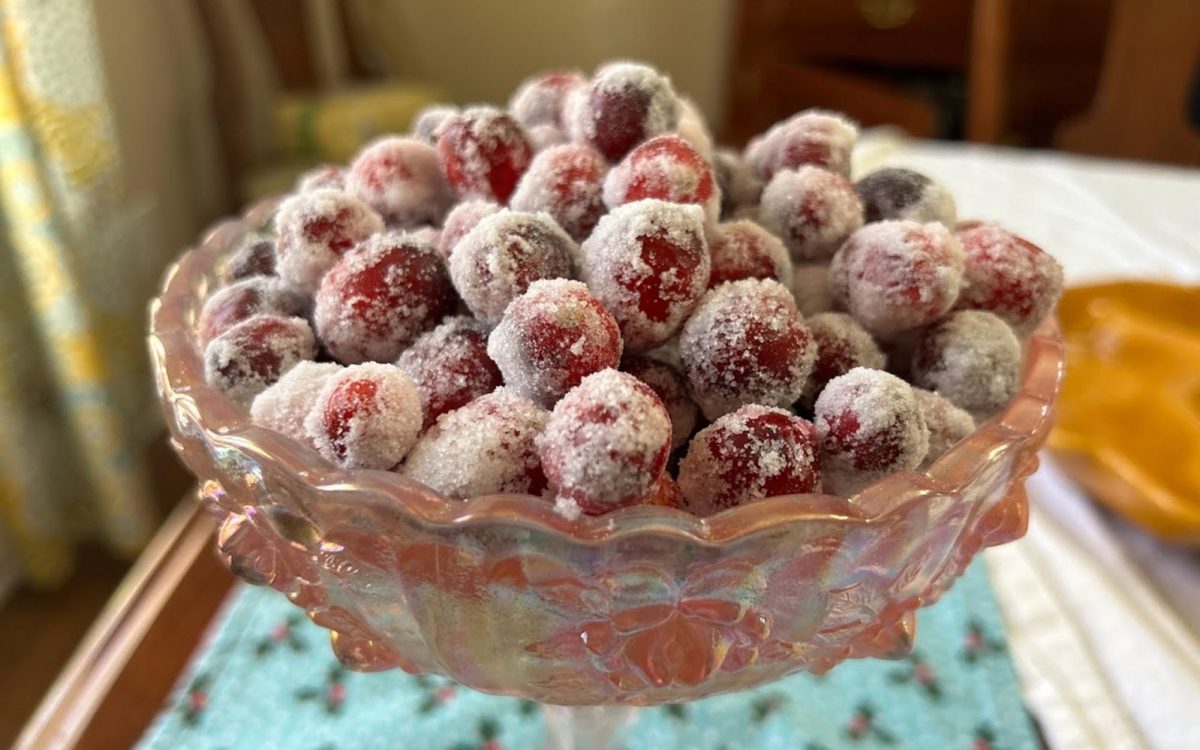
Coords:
pixel 642 606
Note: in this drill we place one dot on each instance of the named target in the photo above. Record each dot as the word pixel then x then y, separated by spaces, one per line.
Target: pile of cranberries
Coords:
pixel 580 298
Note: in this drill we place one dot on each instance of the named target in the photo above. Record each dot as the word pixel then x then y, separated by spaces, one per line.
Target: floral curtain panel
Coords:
pixel 75 405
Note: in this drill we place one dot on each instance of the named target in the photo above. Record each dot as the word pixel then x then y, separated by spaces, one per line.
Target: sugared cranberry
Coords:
pixel 972 358
pixel 551 337
pixel 893 276
pixel 379 297
pixel 315 229
pixel 810 287
pixel 427 124
pixel 1008 276
pixel 746 344
pixel 947 424
pixel 625 104
pixel 842 345
pixel 542 137
pixel 450 366
pixel 670 387
pixel 606 442
pixel 365 417
pixel 244 299
pixel 497 260
pixel 485 447
pixel 401 178
pixel 869 425
pixel 253 354
pixel 461 220
pixel 746 455
pixel 284 405
pixel 667 168
pixel 565 182
pixel 812 210
pixel 539 100
pixel 896 193
pixel 484 152
pixel 822 139
pixel 742 249
pixel 739 186
pixel 648 263
pixel 255 256
pixel 326 176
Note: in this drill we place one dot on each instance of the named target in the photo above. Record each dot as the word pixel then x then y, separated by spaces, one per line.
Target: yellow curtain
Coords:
pixel 76 409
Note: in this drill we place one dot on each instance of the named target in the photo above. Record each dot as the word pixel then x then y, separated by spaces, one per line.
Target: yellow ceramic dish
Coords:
pixel 1128 424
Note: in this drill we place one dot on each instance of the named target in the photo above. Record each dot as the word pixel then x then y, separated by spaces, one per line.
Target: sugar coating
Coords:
pixel 648 263
pixel 366 416
pixel 626 103
pixel 606 442
pixel 842 345
pixel 668 384
pixel 379 297
pixel 401 178
pixel 426 235
pixel 285 404
pixel 740 186
pixel 693 129
pixel 483 151
pixel 253 354
pixel 822 139
pixel 667 168
pixel 246 298
pixel 485 447
pixel 812 210
pixel 542 137
pixel 1008 276
pixel 971 357
pixel 746 455
pixel 254 256
pixel 894 276
pixel 896 193
pixel 947 424
pixel 551 337
pixel 566 182
pixel 539 100
pixel 322 177
pixel 427 123
pixel 503 254
pixel 869 425
pixel 746 343
pixel 743 249
pixel 462 219
pixel 450 366
pixel 810 287
pixel 317 227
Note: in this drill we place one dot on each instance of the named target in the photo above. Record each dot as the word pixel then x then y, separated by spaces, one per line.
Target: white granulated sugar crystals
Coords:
pixel 648 249
pixel 317 227
pixel 503 254
pixel 822 139
pixel 401 178
pixel 746 343
pixel 812 210
pixel 483 448
pixel 870 425
pixel 366 416
pixel 254 353
pixel 606 442
pixel 972 358
pixel 284 405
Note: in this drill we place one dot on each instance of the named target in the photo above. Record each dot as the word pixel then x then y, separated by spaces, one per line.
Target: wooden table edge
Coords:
pixel 161 600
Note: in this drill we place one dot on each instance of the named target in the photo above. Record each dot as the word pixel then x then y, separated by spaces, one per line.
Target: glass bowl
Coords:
pixel 642 606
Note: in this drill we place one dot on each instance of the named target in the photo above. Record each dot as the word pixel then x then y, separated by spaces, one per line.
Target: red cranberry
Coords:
pixel 315 229
pixel 450 366
pixel 565 182
pixel 626 103
pixel 1008 276
pixel 402 179
pixel 665 167
pixel 670 387
pixel 484 152
pixel 253 354
pixel 972 358
pixel 744 250
pixel 365 417
pixel 813 210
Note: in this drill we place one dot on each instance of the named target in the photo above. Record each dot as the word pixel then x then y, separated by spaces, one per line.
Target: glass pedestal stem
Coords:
pixel 586 727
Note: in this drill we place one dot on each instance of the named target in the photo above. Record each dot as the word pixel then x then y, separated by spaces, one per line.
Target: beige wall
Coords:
pixel 479 49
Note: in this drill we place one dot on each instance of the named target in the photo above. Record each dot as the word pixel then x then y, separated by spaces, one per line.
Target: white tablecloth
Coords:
pixel 1104 622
